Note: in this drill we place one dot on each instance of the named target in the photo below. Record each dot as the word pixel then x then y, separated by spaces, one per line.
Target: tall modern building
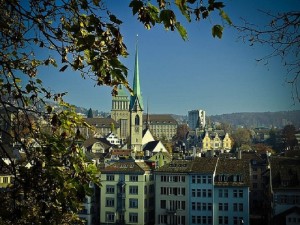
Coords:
pixel 196 119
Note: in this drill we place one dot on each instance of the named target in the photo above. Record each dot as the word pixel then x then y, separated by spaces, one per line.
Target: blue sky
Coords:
pixel 216 75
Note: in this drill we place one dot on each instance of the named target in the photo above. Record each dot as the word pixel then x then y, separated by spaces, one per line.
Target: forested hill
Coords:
pixel 260 119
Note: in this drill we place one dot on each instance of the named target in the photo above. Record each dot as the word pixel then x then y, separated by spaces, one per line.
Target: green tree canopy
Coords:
pixel 90 113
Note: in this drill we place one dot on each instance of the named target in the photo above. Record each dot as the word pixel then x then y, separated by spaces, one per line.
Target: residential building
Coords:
pixel 171 193
pixel 284 188
pixel 216 141
pixel 127 193
pixel 202 191
pixel 231 192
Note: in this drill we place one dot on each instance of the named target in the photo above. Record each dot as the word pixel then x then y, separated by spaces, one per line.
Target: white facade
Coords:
pixel 196 119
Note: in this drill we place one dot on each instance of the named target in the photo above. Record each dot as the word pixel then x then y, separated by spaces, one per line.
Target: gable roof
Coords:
pixel 285 172
pixel 127 167
pixel 160 119
pixel 150 145
pixel 233 167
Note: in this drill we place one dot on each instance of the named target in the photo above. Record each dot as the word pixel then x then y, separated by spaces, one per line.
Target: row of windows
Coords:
pixel 132 202
pixel 171 178
pixel 172 191
pixel 237 207
pixel 229 178
pixel 110 217
pixel 172 205
pixel 202 193
pixel 287 199
pixel 202 220
pixel 165 219
pixel 132 178
pixel 201 179
pixel 201 206
pixel 110 189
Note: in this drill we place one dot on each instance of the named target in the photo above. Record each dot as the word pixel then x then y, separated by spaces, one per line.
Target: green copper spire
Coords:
pixel 137 96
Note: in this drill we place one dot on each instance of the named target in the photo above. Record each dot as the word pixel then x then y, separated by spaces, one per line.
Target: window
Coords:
pixel 209 179
pixel 193 179
pixel 235 193
pixel 163 204
pixel 220 206
pixel 145 189
pixel 225 208
pixel 110 189
pixel 133 178
pixel 204 206
pixel 193 205
pixel 133 217
pixel 241 207
pixel 110 202
pixel 133 203
pixel 198 192
pixel 240 193
pixel 220 219
pixel 198 179
pixel 204 193
pixel 235 220
pixel 225 220
pixel 193 219
pixel 209 220
pixel 225 193
pixel 137 120
pixel 110 217
pixel 209 206
pixel 110 177
pixel 235 207
pixel 133 190
pixel 5 180
pixel 198 206
pixel 209 193
pixel 193 192
pixel 203 179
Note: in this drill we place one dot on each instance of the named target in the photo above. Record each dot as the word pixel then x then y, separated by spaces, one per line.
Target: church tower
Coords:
pixel 136 108
pixel 120 112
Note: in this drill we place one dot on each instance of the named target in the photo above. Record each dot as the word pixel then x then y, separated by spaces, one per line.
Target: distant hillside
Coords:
pixel 264 119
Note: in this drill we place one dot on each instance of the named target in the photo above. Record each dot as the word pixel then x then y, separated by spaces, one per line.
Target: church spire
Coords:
pixel 137 96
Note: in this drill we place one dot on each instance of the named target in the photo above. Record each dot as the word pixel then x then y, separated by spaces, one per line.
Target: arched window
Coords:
pixel 137 120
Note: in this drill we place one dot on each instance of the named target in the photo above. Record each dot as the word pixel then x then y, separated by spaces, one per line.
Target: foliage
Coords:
pixel 182 132
pixel 262 148
pixel 241 137
pixel 53 176
pixel 289 138
pixel 90 113
pixel 282 35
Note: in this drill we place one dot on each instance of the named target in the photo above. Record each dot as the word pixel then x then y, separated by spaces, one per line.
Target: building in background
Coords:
pixel 196 119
